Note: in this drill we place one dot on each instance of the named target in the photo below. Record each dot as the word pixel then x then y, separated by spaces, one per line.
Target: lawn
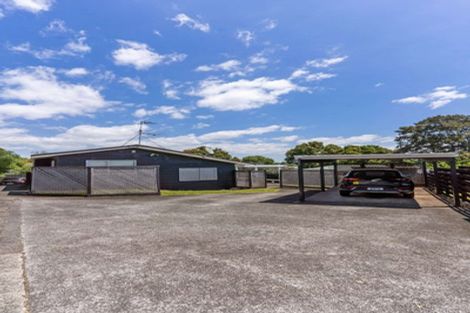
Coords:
pixel 169 193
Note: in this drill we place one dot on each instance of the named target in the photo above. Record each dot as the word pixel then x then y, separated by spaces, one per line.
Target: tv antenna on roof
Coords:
pixel 141 124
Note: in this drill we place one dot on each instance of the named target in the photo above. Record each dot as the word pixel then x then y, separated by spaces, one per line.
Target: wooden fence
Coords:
pixel 440 182
pixel 95 180
pixel 251 179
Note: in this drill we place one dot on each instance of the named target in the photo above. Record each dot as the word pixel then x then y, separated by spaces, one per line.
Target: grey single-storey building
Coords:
pixel 178 170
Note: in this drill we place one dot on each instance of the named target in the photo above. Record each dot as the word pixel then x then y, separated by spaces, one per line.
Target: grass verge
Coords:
pixel 169 193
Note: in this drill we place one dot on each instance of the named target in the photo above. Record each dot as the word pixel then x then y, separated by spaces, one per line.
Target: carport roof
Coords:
pixel 384 156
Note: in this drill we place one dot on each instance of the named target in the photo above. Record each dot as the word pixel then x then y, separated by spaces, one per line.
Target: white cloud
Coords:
pixel 141 56
pixel 36 93
pixel 184 20
pixel 414 99
pixel 269 24
pixel 303 73
pixel 33 6
pixel 242 94
pixel 319 76
pixel 156 32
pixel 90 136
pixel 134 83
pixel 246 36
pixel 270 149
pixel 170 90
pixel 171 111
pixel 235 68
pixel 324 63
pixel 2 15
pixel 258 58
pixel 56 27
pixel 229 65
pixel 366 139
pixel 75 47
pixel 287 138
pixel 76 71
pixel 437 98
pixel 201 125
pixel 205 117
pixel 231 134
pixel 379 84
pixel 78 137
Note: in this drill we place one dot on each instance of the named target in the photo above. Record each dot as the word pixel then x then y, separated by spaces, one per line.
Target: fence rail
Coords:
pixel 440 182
pixel 95 180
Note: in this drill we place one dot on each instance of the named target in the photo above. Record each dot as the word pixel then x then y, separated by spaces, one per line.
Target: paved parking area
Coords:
pixel 11 258
pixel 239 253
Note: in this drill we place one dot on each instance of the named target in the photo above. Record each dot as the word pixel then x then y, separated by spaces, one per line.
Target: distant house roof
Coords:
pixel 384 156
pixel 137 147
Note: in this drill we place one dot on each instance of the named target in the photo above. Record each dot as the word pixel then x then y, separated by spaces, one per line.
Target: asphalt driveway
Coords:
pixel 239 253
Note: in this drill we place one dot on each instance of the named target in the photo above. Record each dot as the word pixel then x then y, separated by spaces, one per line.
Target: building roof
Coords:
pixel 137 147
pixel 384 156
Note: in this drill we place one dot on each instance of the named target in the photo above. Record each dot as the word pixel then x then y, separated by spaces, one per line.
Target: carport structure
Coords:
pixel 424 158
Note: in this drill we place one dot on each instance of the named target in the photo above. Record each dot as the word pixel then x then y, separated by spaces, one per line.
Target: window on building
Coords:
pixel 197 174
pixel 110 163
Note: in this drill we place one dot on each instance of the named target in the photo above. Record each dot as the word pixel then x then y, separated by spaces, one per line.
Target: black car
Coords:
pixel 376 181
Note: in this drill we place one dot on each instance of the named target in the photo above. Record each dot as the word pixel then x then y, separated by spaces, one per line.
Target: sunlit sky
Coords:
pixel 251 77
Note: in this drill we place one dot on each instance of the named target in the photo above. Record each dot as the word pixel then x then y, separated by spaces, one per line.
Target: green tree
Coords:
pixel 306 148
pixel 257 159
pixel 11 162
pixel 316 147
pixel 202 150
pixel 374 149
pixel 221 154
pixel 441 133
pixel 332 149
pixel 352 149
pixel 215 153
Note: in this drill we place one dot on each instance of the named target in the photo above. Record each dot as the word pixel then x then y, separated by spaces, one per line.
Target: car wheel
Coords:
pixel 345 193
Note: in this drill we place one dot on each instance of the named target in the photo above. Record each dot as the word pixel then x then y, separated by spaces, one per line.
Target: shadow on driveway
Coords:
pixel 332 197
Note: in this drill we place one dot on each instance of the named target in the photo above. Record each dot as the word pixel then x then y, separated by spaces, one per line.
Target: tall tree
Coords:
pixel 221 154
pixel 441 133
pixel 257 159
pixel 352 149
pixel 374 149
pixel 215 153
pixel 332 149
pixel 202 150
pixel 11 162
pixel 306 148
pixel 316 147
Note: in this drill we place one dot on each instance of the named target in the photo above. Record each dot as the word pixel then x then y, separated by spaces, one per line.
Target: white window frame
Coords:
pixel 193 174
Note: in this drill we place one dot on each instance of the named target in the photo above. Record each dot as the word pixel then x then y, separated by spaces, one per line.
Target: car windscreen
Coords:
pixel 386 175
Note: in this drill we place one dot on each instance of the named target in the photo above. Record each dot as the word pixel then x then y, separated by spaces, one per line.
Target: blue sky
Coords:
pixel 252 77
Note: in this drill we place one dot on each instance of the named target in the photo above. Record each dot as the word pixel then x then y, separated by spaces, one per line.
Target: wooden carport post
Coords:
pixel 335 173
pixel 436 177
pixel 300 169
pixel 89 172
pixel 322 176
pixel 425 173
pixel 455 183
